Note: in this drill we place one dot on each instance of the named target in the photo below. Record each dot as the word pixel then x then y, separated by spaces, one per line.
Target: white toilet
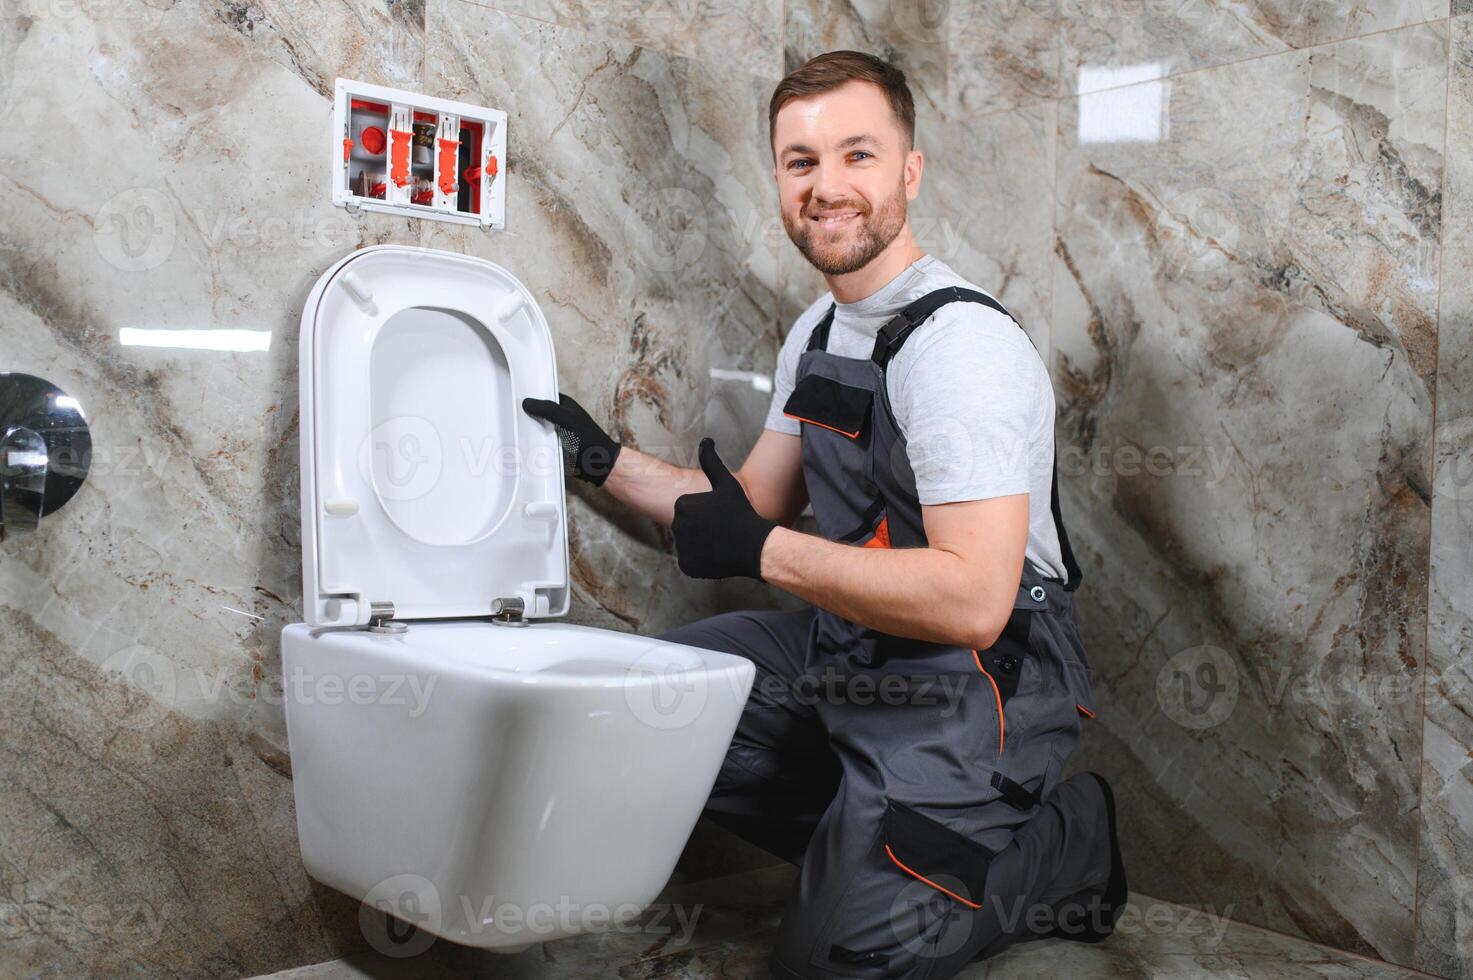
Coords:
pixel 496 782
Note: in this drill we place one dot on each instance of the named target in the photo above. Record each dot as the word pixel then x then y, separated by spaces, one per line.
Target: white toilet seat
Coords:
pixel 424 484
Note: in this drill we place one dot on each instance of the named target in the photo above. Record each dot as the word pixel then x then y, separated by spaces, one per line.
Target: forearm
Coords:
pixel 650 485
pixel 924 593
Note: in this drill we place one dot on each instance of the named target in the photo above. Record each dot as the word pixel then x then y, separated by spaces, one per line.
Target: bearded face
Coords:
pixel 846 172
pixel 842 236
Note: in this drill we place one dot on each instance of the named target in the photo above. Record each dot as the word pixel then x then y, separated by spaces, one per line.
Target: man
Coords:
pixel 905 734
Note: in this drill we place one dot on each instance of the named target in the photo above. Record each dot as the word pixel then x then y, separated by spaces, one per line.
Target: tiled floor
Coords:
pixel 734 919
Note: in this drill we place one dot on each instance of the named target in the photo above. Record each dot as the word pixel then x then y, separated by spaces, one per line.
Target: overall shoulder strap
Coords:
pixel 819 338
pixel 893 335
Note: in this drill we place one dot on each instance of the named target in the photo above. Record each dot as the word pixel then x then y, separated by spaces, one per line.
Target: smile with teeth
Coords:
pixel 836 219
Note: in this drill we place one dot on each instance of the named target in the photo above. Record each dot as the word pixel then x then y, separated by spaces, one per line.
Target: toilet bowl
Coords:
pixel 460 759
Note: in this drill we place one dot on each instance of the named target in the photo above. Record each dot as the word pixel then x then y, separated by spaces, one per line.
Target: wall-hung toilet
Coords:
pixel 505 781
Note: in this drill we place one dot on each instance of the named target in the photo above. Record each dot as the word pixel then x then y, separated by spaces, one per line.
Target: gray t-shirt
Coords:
pixel 970 394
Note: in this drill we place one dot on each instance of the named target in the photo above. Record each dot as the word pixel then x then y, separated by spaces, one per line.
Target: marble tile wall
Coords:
pixel 1239 232
pixel 1445 887
pixel 1269 304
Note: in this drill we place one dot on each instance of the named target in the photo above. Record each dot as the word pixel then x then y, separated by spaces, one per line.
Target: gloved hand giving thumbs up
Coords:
pixel 718 533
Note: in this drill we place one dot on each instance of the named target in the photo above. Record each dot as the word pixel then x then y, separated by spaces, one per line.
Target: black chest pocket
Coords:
pixel 831 405
pixel 837 457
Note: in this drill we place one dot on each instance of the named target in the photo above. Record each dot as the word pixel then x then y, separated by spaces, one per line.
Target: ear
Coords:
pixel 915 165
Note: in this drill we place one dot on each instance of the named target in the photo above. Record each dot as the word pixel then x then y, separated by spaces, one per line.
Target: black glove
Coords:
pixel 587 449
pixel 718 534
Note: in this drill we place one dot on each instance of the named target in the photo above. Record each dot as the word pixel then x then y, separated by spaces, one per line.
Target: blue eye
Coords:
pixel 862 153
pixel 797 163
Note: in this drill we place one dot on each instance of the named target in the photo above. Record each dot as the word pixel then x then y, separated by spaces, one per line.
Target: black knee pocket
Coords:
pixel 909 903
pixel 936 855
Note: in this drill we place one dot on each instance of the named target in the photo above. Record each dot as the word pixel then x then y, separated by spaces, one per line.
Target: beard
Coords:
pixel 875 230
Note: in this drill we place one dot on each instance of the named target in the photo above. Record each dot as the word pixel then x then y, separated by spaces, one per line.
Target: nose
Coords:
pixel 829 184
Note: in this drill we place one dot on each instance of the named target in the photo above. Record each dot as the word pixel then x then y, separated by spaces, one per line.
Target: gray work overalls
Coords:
pixel 916 784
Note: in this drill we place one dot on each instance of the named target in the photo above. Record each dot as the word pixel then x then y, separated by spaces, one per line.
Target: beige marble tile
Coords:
pixel 142 741
pixel 725 36
pixel 1004 54
pixel 379 41
pixel 993 217
pixel 641 210
pixel 1103 37
pixel 140 841
pixel 1244 349
pixel 911 34
pixel 1445 884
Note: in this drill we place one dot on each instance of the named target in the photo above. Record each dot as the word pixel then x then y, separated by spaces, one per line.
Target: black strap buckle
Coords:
pixel 1013 793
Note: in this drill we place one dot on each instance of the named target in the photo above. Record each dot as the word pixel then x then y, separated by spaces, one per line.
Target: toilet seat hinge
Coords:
pixel 381 619
pixel 508 611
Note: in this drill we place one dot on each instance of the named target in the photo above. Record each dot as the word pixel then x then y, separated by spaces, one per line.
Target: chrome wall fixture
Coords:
pixel 45 450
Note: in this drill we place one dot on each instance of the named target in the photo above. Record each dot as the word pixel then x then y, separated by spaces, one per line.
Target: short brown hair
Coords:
pixel 828 71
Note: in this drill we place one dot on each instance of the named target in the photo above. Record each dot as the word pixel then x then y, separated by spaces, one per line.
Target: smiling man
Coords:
pixel 904 739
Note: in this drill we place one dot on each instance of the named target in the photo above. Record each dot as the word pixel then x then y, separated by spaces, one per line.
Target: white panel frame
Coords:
pixel 397 200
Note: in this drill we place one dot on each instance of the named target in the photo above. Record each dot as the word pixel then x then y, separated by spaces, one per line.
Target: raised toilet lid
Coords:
pixel 424 484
